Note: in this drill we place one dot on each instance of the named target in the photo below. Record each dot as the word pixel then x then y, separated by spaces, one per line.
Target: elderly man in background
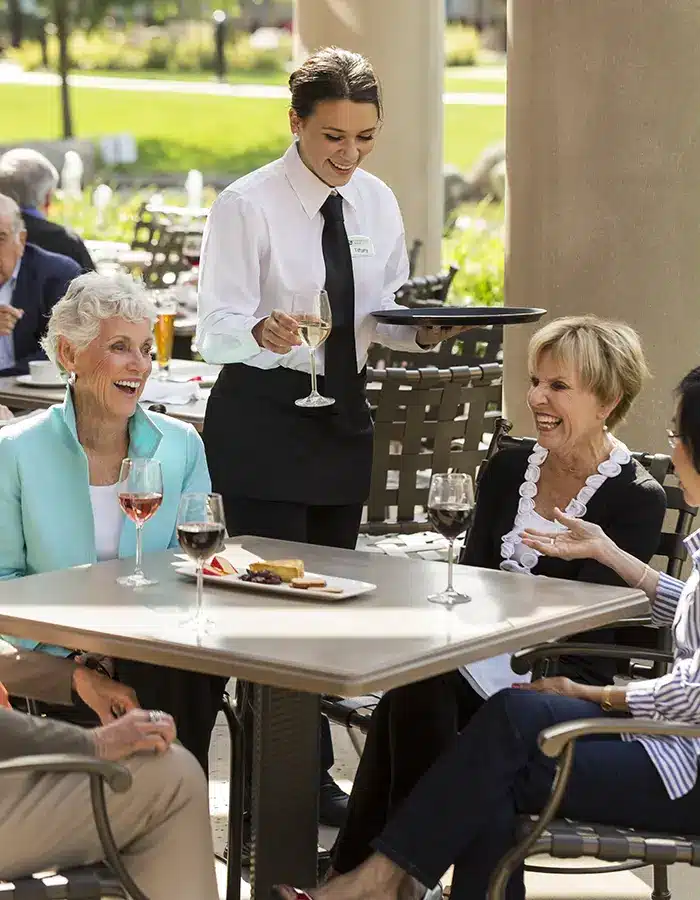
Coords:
pixel 161 825
pixel 30 179
pixel 32 280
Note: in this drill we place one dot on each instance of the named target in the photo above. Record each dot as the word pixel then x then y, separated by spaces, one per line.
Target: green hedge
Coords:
pixel 462 45
pixel 185 47
pixel 478 250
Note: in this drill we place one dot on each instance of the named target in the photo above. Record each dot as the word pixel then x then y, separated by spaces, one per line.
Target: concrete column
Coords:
pixel 603 154
pixel 404 41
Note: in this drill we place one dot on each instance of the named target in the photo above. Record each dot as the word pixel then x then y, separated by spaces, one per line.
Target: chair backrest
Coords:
pixel 679 516
pixel 427 290
pixel 472 348
pixel 426 420
pixel 413 255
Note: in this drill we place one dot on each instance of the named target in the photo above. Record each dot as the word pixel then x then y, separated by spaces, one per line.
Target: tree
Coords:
pixel 61 14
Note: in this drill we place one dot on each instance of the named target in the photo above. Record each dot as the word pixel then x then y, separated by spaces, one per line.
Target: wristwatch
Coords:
pixel 606 702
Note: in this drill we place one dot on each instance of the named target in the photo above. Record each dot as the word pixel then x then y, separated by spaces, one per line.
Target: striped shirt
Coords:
pixel 675 696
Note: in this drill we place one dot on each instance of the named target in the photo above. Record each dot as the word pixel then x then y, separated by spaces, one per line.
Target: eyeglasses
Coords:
pixel 673 438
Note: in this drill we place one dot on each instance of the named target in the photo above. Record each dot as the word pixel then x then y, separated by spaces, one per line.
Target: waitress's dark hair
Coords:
pixel 333 74
pixel 688 415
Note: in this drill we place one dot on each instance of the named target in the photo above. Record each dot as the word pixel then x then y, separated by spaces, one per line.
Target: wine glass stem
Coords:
pixel 314 388
pixel 139 551
pixel 200 589
pixel 450 565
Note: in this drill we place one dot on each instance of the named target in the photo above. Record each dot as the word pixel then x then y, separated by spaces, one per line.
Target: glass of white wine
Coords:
pixel 312 311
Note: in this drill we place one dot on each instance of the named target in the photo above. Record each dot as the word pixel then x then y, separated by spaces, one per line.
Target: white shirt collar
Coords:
pixel 311 191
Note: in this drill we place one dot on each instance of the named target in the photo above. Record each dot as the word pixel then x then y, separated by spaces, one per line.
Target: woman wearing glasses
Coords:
pixel 463 811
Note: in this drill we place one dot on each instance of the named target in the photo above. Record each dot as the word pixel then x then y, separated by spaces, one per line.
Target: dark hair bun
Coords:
pixel 333 74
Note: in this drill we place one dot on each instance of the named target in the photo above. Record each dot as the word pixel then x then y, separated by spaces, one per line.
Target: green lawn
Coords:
pixel 452 83
pixel 226 135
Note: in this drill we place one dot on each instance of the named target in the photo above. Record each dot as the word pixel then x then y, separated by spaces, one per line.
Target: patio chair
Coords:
pixel 425 420
pixel 473 348
pixel 624 848
pixel 427 290
pixel 90 882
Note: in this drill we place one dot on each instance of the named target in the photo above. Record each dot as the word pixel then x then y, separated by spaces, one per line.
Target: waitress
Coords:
pixel 310 220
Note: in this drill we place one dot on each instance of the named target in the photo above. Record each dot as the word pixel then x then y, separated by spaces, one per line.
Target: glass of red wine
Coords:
pixel 140 495
pixel 450 511
pixel 200 531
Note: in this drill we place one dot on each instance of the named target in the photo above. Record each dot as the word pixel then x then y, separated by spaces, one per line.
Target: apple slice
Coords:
pixel 219 565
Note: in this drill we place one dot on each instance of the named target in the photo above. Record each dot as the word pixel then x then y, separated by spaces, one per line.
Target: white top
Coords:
pixel 262 244
pixel 525 559
pixel 108 518
pixel 488 676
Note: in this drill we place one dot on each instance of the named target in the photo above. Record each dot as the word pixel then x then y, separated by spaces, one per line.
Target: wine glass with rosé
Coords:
pixel 140 496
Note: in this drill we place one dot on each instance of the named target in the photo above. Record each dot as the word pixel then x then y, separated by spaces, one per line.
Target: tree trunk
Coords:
pixel 15 22
pixel 62 30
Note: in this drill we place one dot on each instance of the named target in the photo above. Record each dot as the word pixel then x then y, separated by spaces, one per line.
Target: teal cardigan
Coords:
pixel 46 520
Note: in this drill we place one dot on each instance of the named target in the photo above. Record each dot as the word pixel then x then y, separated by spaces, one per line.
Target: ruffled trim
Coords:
pixel 577 508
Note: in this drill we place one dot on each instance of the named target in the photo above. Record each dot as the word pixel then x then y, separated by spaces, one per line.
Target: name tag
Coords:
pixel 360 245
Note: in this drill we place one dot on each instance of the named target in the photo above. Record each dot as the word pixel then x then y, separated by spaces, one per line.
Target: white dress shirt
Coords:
pixel 7 344
pixel 262 244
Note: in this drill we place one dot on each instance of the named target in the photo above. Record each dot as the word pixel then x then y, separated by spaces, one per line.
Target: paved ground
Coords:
pixel 685 882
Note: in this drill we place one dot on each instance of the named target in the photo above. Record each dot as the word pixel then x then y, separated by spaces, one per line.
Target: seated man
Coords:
pixel 161 825
pixel 31 281
pixel 30 179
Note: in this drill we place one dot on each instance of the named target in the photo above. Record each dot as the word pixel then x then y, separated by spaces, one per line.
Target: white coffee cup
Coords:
pixel 45 372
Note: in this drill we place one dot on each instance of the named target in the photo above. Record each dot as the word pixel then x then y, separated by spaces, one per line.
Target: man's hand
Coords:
pixel 139 731
pixel 5 414
pixel 108 698
pixel 279 332
pixel 4 698
pixel 9 317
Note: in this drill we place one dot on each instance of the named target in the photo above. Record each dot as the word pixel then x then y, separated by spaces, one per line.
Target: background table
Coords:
pixel 295 651
pixel 21 397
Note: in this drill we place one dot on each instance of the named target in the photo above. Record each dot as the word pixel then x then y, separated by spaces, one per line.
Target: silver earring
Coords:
pixel 71 377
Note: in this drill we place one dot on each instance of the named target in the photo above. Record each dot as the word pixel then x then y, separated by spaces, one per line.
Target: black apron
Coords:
pixel 261 446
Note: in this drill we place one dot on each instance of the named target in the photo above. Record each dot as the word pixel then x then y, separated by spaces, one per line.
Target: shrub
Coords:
pixel 181 47
pixel 479 252
pixel 462 45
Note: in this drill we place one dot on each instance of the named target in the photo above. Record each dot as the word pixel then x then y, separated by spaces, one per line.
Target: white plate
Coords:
pixel 28 381
pixel 350 588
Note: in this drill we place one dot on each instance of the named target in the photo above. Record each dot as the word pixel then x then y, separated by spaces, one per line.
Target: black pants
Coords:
pixel 331 526
pixel 410 729
pixel 464 810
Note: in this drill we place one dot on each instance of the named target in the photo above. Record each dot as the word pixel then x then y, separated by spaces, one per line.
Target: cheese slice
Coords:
pixel 285 568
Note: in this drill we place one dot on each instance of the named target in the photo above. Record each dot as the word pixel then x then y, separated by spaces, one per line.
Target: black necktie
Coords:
pixel 340 365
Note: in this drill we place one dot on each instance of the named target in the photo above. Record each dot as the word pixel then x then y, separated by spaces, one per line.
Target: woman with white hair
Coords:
pixel 59 472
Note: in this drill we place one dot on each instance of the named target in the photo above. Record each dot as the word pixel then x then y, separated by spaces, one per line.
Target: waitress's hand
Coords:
pixel 279 332
pixel 429 336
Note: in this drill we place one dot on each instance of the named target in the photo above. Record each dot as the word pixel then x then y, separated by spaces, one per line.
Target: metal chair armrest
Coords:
pixel 521 661
pixel 553 740
pixel 99 771
pixel 118 777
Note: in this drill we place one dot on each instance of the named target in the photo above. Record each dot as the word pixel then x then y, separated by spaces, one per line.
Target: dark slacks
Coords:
pixel 464 810
pixel 410 728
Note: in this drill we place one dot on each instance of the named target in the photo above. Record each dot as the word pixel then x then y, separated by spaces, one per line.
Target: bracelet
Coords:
pixel 606 702
pixel 641 580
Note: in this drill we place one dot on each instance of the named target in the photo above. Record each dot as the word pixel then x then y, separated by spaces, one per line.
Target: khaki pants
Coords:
pixel 161 826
